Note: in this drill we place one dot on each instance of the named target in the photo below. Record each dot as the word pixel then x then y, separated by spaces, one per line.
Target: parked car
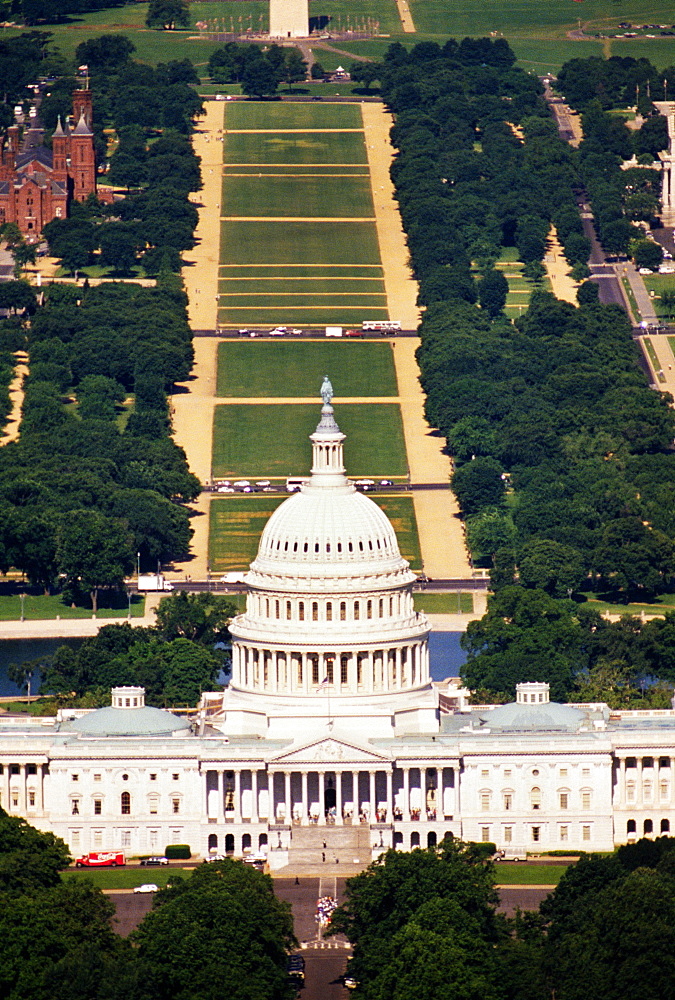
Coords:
pixel 146 887
pixel 154 861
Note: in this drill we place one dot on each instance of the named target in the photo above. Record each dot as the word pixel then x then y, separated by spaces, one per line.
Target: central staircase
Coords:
pixel 315 848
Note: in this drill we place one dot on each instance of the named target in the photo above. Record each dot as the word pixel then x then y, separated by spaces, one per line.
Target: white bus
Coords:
pixel 381 326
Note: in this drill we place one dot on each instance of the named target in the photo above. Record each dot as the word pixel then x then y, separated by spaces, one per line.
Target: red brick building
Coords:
pixel 38 184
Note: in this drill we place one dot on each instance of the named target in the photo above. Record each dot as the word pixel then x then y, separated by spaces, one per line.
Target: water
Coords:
pixel 20 650
pixel 445 655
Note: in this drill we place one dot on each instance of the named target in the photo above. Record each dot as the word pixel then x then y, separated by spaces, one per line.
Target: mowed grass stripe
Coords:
pixel 281 170
pixel 236 523
pixel 316 285
pixel 301 270
pixel 356 369
pixel 278 148
pixel 299 242
pixel 263 441
pixel 305 302
pixel 314 315
pixel 263 115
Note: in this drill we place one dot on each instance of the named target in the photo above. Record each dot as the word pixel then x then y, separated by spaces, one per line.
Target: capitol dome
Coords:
pixel 533 711
pixel 330 605
pixel 128 716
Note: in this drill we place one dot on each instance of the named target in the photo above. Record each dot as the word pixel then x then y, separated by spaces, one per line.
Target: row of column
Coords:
pixel 655 771
pixel 22 792
pixel 322 797
pixel 345 671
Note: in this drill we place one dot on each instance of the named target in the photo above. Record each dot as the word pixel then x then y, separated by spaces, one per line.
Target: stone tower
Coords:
pixel 289 18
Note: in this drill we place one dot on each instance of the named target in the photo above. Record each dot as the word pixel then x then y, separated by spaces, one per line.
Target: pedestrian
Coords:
pixel 297 880
pixel 323 854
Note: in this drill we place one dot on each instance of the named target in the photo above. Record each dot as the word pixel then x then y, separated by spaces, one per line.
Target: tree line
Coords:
pixel 425 924
pixel 260 71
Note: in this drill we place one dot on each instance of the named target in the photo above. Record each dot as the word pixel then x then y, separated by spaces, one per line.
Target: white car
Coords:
pixel 667 269
pixel 146 887
pixel 241 483
pixel 645 270
pixel 279 331
pixel 365 482
pixel 262 482
pixel 215 857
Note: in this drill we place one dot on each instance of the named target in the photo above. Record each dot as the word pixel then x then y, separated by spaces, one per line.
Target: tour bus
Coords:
pixel 381 326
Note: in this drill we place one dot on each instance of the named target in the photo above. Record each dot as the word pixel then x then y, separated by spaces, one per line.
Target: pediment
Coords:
pixel 329 751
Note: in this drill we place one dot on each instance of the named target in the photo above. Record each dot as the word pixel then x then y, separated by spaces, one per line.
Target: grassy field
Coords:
pixel 661 605
pixel 444 604
pixel 38 607
pixel 238 521
pixel 127 878
pixel 299 242
pixel 519 873
pixel 261 148
pixel 256 116
pixel 265 441
pixel 276 284
pixel 297 369
pixel 288 196
pixel 649 347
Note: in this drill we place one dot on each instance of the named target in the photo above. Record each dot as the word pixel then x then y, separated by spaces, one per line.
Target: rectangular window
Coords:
pixel 98 838
pixel 343 669
pixel 585 833
pixel 153 777
pixel 75 777
pixel 74 838
pixel 485 801
pixel 329 612
pixel 507 773
pixel 508 800
pixel 97 777
pixel 153 839
pixel 153 806
pixel 97 807
pixel 585 800
pixel 126 838
pixel 75 808
pixel 175 836
pixel 536 834
pixel 175 777
pixel 563 772
pixel 485 834
pixel 175 805
pixel 564 833
pixel 586 771
pixel 508 834
pixel 564 800
pixel 15 801
pixel 31 798
pixel 485 773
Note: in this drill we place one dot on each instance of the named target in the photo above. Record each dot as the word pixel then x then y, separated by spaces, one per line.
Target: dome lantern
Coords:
pixel 328 467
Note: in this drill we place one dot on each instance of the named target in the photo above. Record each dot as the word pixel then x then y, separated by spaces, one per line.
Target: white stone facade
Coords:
pixel 331 720
pixel 289 18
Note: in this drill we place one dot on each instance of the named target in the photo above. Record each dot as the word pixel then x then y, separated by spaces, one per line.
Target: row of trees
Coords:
pixel 561 449
pixel 424 924
pixel 259 70
pixel 220 932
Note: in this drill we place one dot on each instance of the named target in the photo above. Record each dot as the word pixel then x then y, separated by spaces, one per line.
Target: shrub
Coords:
pixel 177 852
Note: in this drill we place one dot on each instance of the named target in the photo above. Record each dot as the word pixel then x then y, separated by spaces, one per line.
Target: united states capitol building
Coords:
pixel 331 742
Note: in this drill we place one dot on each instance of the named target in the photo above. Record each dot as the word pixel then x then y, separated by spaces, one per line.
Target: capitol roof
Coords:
pixel 128 716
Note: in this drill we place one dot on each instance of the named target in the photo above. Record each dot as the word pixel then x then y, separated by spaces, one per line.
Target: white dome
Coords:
pixel 329 534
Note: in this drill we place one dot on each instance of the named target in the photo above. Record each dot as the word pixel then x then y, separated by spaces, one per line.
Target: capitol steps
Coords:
pixel 320 845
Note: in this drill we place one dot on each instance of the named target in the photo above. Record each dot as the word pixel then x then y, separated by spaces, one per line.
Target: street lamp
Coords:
pixel 129 600
pixel 23 598
pixel 138 564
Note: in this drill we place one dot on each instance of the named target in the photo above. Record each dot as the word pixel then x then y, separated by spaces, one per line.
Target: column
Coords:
pixel 399 667
pixel 672 781
pixel 621 797
pixel 355 796
pixel 237 796
pixel 220 786
pixel 22 789
pixel 287 797
pixel 373 797
pixel 6 801
pixel 406 794
pixel 254 795
pixel 338 798
pixel 370 672
pixel 305 806
pixel 390 795
pixel 322 798
pixel 41 789
pixel 638 782
pixel 352 673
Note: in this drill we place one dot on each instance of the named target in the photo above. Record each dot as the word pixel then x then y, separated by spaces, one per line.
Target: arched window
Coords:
pixel 630 826
pixel 648 826
pixel 246 842
pixel 213 841
pixel 229 843
pixel 125 803
pixel 665 826
pixel 414 840
pixel 535 798
pixel 431 839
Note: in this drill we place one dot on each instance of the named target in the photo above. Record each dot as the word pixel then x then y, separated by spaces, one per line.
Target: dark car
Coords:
pixel 154 861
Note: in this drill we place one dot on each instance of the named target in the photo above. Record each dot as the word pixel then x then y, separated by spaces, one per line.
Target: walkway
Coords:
pixel 557 268
pixel 405 14
pixel 12 428
pixel 192 406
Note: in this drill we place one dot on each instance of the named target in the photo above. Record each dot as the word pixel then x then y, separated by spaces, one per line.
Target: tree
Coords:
pixel 490 531
pixel 189 670
pixel 23 253
pixel 588 293
pixel 558 569
pixel 478 484
pixel 492 291
pixel 393 890
pixel 631 555
pixel 203 618
pixel 260 78
pixel 222 933
pixel 94 552
pixel 118 247
pixel 294 67
pixel 29 859
pixel 167 14
pixel 107 52
pixel 647 253
pixel 366 73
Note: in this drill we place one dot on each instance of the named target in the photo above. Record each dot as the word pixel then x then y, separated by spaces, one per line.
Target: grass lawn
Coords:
pixel 297 196
pixel 299 242
pixel 625 284
pixel 443 604
pixel 316 285
pixel 253 442
pixel 295 147
pixel 661 605
pixel 38 607
pixel 236 523
pixel 307 302
pixel 522 873
pixel 297 368
pixel 649 347
pixel 317 272
pixel 263 115
pixel 127 878
pixel 309 315
pixel 298 171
